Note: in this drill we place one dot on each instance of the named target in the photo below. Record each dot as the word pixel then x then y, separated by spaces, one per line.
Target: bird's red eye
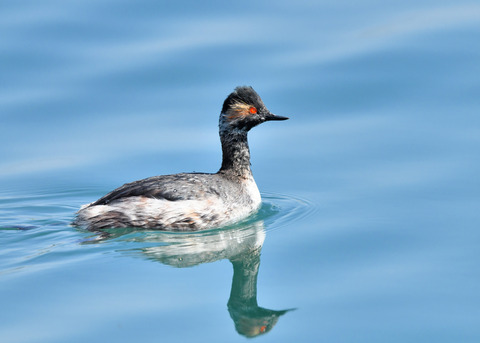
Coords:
pixel 252 110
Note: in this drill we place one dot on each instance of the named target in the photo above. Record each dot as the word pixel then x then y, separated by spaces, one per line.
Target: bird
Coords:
pixel 192 201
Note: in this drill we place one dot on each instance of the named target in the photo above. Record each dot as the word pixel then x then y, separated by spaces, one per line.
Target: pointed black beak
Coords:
pixel 271 116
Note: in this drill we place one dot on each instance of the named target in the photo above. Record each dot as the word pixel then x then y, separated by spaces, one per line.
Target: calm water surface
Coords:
pixel 369 228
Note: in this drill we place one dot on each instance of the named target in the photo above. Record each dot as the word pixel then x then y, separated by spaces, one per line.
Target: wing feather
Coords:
pixel 169 187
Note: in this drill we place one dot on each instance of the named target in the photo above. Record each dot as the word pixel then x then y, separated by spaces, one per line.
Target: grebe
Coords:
pixel 192 201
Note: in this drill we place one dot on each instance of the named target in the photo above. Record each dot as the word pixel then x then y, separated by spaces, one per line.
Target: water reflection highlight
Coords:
pixel 241 245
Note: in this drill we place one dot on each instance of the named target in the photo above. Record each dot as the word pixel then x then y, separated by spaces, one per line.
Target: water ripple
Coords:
pixel 279 210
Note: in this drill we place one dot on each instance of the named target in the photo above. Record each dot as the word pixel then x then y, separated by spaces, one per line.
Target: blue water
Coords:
pixel 369 228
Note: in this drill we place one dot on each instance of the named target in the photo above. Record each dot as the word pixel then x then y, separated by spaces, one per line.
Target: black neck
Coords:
pixel 236 154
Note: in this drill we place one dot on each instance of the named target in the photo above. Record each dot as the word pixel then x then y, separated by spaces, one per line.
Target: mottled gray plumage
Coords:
pixel 192 201
pixel 186 186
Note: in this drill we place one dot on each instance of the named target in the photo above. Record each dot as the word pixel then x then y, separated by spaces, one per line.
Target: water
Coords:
pixel 369 226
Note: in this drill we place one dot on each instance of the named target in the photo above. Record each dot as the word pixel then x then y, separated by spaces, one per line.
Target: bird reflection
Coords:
pixel 250 319
pixel 240 245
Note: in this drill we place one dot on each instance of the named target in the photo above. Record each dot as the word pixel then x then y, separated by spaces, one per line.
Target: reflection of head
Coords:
pixel 254 322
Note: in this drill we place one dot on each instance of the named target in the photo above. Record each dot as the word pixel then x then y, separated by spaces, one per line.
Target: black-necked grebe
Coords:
pixel 192 201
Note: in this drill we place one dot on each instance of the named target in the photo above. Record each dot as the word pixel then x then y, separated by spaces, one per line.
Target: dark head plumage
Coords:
pixel 244 109
pixel 243 94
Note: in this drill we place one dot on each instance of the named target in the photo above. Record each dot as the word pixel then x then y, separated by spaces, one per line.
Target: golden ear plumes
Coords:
pixel 240 110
